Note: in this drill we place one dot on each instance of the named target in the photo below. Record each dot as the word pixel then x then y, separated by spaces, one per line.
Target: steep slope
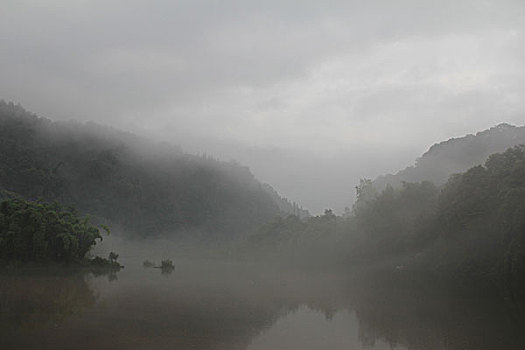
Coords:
pixel 144 187
pixel 456 155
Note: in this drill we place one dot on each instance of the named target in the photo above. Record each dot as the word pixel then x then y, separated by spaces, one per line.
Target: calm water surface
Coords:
pixel 218 305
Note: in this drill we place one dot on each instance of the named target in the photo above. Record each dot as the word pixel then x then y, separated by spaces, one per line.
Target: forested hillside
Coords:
pixel 456 155
pixel 474 225
pixel 143 187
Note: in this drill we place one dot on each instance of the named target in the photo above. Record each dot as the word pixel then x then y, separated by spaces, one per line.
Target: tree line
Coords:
pixel 472 225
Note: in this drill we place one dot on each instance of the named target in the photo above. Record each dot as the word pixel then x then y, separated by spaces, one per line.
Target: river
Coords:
pixel 212 304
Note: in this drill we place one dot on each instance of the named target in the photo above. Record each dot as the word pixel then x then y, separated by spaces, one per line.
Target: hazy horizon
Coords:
pixel 311 96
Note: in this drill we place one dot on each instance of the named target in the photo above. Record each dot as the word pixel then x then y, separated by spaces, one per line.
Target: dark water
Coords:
pixel 219 305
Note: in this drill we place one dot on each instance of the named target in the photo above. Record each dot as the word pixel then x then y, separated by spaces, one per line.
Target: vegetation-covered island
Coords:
pixel 47 233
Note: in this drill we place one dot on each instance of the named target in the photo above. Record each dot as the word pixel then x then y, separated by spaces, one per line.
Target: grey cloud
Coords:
pixel 324 78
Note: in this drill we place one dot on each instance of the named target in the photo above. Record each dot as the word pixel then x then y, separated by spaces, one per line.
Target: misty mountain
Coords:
pixel 474 224
pixel 141 186
pixel 455 156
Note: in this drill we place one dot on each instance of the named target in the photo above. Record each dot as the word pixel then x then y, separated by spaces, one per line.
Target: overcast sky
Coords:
pixel 312 95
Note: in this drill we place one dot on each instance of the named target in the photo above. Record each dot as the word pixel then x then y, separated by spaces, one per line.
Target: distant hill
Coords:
pixel 455 156
pixel 144 187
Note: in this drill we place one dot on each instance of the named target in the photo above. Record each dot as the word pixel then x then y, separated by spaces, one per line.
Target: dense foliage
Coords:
pixel 143 187
pixel 474 225
pixel 41 232
pixel 482 215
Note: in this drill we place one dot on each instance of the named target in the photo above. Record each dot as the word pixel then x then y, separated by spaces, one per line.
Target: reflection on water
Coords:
pixel 308 329
pixel 33 301
pixel 212 305
pixel 426 313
